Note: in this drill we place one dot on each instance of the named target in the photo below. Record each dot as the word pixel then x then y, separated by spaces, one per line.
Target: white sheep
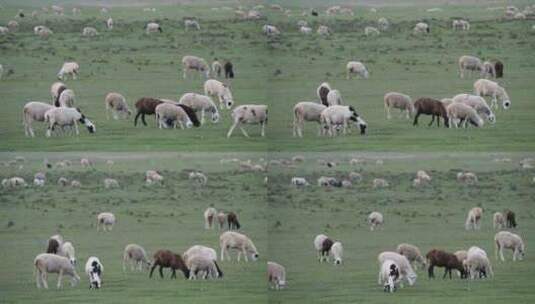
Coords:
pixel 485 87
pixel 253 15
pixel 106 221
pixel 198 177
pixel 200 250
pixel 109 23
pixel 468 178
pixel 383 24
pixel 66 117
pixel 136 256
pixel 421 28
pixel 194 63
pixel 13 182
pixel 67 250
pixel 34 111
pixel 110 183
pixel 209 216
pixel 337 252
pixel 221 219
pixel 478 103
pixel 509 240
pixel 4 30
pixel 412 253
pixel 39 179
pixel 46 263
pixel 371 31
pixel 299 181
pixel 305 30
pixel 153 27
pixel 76 184
pixel 249 114
pixel 379 183
pixel 201 103
pixel 153 177
pixel 389 275
pixel 470 64
pixel 203 267
pixel 375 219
pixel 270 30
pixel 498 220
pixel 69 68
pixel 12 25
pixel 473 220
pixel 358 68
pixel 405 269
pixel 217 68
pixel 94 269
pixel 459 24
pixel 58 10
pixel 399 101
pixel 190 23
pixel 276 275
pixel 219 90
pixel 467 114
pixel 89 32
pixel 44 32
pixel 306 111
pixel 323 30
pixel 86 163
pixel 334 97
pixel 62 181
pixel 166 112
pixel 477 262
pixel 326 181
pixel 231 240
pixel 335 116
pixel 67 98
pixel 116 103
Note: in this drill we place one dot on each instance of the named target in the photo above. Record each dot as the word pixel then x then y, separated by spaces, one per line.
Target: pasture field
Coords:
pixel 275 71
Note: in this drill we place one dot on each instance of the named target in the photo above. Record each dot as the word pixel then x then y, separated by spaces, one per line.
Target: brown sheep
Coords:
pixel 510 219
pixel 168 259
pixel 433 107
pixel 232 220
pixel 441 258
pixel 146 106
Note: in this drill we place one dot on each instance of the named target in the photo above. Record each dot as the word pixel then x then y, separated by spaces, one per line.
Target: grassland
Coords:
pixel 278 72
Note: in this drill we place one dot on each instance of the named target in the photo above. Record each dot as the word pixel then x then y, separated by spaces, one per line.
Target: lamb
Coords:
pixel 470 64
pixel 249 114
pixel 116 103
pixel 270 30
pixel 322 92
pixel 477 263
pixel 485 87
pixel 433 107
pixel 276 275
pixel 194 63
pixel 204 267
pixel 110 183
pixel 473 220
pixel 468 178
pixel 109 23
pixel 421 28
pixel 238 242
pixel 39 179
pixel 334 98
pixel 153 27
pixel 168 259
pixel 509 240
pixel 209 215
pixel 194 24
pixel 305 30
pixel 89 32
pixel 510 219
pixel 478 103
pixel 460 111
pixel 498 220
pixel 358 68
pixel 106 221
pixel 323 30
pixel 62 117
pixel 198 177
pixel 220 91
pixel 412 253
pixel 383 24
pixel 405 270
pixel 217 68
pixel 389 275
pixel 375 219
pixel 70 69
pixel 67 250
pixel 153 177
pixel 337 252
pixel 136 256
pixel 54 244
pixel 46 263
pixel 66 99
pixel 168 112
pixel 13 182
pixel 444 259
pixel 200 103
pixel 94 269
pixel 337 115
pixel 380 183
pixel 371 31
pixel 299 182
pixel 398 101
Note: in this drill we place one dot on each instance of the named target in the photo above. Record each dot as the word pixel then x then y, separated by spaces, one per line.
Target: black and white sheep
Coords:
pixel 94 269
pixel 335 116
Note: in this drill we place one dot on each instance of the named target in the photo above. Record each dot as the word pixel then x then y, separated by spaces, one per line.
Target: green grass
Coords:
pixel 128 61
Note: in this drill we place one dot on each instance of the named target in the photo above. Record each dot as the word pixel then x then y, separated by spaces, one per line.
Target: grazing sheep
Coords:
pixel 39 179
pixel 355 177
pixel 379 183
pixel 405 269
pixel 477 263
pixel 325 181
pixel 468 178
pixel 375 219
pixel 473 220
pixel 383 24
pixel 509 240
pixel 110 183
pixel 412 253
pixel 398 101
pixel 217 68
pixel 198 177
pixel 371 31
pixel 116 103
pixel 276 275
pixel 55 90
pixel 322 92
pixel 478 103
pixel 270 30
pixel 94 269
pixel 444 259
pixel 58 10
pixel 67 250
pixel 498 221
pixel 389 275
pixel 34 111
pixel 136 256
pixel 433 107
pixel 46 263
pixel 66 99
pixel 323 244
pixel 209 215
pixel 194 24
pixel 62 117
pixel 221 219
pixel 169 112
pixel 229 72
pixel 460 111
pixel 220 91
pixel 12 25
pixel 323 30
pixel 4 30
pixel 194 63
pixel 335 116
pixel 337 252
pixel 45 32
pixel 153 27
pixel 86 163
pixel 253 15
pixel 249 114
pixel 493 68
pixel 54 244
pixel 89 32
pixel 299 182
pixel 459 24
pixel 510 219
pixel 232 220
pixel 69 68
pixel 461 257
pixel 334 98
pixel 202 103
pixel 203 267
pixel 106 221
pixel 485 87
pixel 109 24
pixel 238 242
pixel 62 182
pixel 145 106
pixel 76 184
pixel 421 28
pixel 305 30
pixel 470 64
pixel 199 250
pixel 358 68
pixel 168 259
pixel 153 177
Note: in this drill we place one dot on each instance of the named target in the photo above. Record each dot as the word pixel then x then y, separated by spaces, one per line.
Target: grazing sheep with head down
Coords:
pixel 468 178
pixel 485 87
pixel 412 253
pixel 109 23
pixel 190 23
pixel 405 269
pixel 46 263
pixel 136 256
pixel 379 183
pixel 276 275
pixel 153 27
pixel 89 32
pixel 116 103
pixel 337 252
pixel 198 177
pixel 69 68
pixel 399 101
pixel 509 240
pixel 470 64
pixel 305 30
pixel 477 263
pixel 335 116
pixel 383 24
pixel 145 106
pixel 473 220
pixel 389 275
pixel 375 219
pixel 110 183
pixel 299 181
pixel 106 221
pixel 357 68
pixel 231 240
pixel 4 30
pixel 421 28
pixel 464 113
pixel 94 269
pixel 202 103
pixel 194 63
pixel 219 90
pixel 249 114
pixel 371 31
pixel 67 250
pixel 167 259
pixel 444 259
pixel 433 107
pixel 66 117
pixel 200 250
pixel 270 30
pixel 323 245
pixel 459 24
pixel 13 182
pixel 203 267
pixel 176 114
pixel 478 103
pixel 153 177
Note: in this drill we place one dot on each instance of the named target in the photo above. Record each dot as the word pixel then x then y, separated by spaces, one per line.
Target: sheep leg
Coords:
pixel 263 132
pixel 344 130
pixel 245 255
pixel 135 119
pixel 243 131
pixel 416 119
pixel 44 279
pixel 152 270
pixel 143 119
pixel 173 273
pixel 432 120
pixel 232 128
pixel 501 254
pixel 38 277
pixel 430 272
pixel 60 278
pixel 202 117
pixel 239 256
pixel 160 270
pixel 76 128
